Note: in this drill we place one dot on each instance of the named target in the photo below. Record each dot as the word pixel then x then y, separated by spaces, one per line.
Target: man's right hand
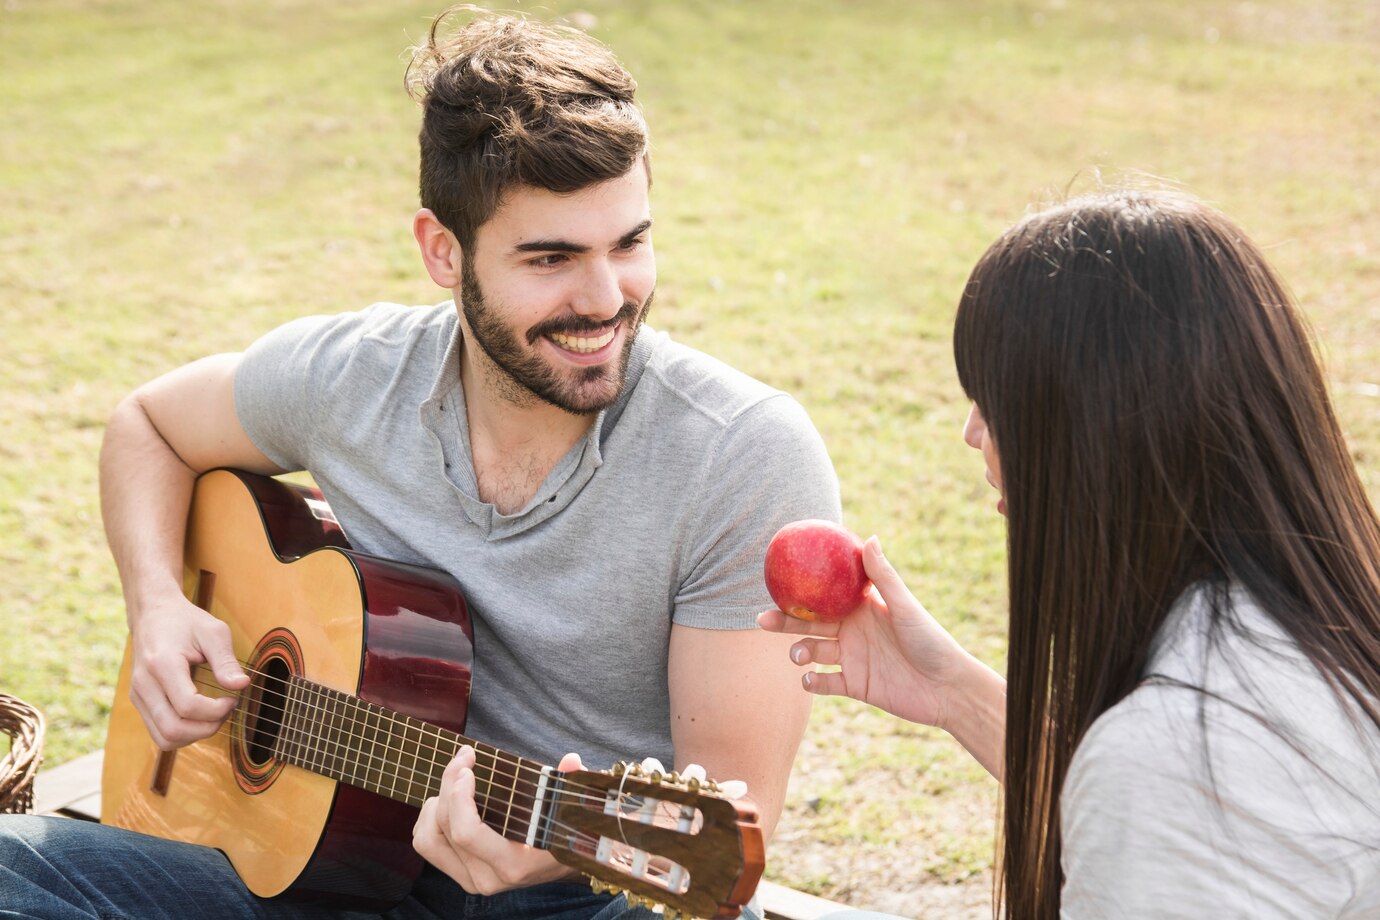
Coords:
pixel 157 441
pixel 169 641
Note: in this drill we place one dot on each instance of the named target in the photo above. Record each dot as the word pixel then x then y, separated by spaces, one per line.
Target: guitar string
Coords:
pixel 549 823
pixel 425 729
pixel 523 812
pixel 577 836
pixel 546 822
pixel 435 737
pixel 343 727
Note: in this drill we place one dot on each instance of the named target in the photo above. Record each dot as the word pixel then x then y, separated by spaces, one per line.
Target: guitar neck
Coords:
pixel 362 744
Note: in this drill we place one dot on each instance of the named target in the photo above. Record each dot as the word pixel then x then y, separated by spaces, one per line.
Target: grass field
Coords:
pixel 177 178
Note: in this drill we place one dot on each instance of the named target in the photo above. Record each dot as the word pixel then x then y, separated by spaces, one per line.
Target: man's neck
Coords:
pixel 516 438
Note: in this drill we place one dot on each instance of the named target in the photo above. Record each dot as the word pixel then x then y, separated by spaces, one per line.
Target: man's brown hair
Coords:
pixel 508 101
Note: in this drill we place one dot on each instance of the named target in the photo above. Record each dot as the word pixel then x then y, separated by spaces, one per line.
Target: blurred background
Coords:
pixel 177 178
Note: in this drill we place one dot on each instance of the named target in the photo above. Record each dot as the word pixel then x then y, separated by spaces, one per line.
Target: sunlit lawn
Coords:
pixel 176 178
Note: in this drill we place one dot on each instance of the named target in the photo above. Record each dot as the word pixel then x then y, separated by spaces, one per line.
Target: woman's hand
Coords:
pixel 895 656
pixel 451 836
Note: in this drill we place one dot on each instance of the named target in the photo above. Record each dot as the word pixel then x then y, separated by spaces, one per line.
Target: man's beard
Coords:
pixel 578 392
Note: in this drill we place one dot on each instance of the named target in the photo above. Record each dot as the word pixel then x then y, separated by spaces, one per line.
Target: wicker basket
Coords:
pixel 24 724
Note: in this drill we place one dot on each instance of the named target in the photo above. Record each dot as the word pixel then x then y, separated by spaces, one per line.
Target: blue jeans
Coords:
pixel 65 869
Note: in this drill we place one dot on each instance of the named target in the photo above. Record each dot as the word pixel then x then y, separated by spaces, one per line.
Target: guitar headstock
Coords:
pixel 661 838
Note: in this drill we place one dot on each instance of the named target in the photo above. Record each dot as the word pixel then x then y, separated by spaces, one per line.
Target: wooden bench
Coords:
pixel 73 789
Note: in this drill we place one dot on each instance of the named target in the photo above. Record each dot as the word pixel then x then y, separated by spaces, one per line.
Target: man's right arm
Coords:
pixel 158 440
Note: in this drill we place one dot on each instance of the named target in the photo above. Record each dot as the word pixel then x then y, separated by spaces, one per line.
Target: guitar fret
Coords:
pixel 280 743
pixel 322 716
pixel 311 725
pixel 404 752
pixel 512 794
pixel 368 747
pixel 299 732
pixel 357 742
pixel 337 730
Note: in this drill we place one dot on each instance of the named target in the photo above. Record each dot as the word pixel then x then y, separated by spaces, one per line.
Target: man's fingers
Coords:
pixel 165 726
pixel 227 670
pixel 430 842
pixel 150 723
pixel 185 697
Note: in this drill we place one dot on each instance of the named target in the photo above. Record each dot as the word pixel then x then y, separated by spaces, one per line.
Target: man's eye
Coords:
pixel 548 261
pixel 629 245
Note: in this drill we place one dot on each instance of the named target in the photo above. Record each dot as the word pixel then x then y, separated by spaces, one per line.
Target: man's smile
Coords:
pixel 584 344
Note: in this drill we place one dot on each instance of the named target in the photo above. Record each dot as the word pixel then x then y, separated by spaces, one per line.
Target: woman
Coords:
pixel 1192 726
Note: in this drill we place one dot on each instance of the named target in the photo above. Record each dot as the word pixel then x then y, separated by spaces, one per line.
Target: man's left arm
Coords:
pixel 737 707
pixel 737 710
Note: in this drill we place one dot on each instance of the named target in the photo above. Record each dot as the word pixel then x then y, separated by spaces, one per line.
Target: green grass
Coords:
pixel 177 178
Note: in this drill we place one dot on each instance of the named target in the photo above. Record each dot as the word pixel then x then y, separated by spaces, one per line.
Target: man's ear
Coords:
pixel 440 249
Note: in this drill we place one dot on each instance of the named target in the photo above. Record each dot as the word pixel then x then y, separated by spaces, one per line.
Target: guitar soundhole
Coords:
pixel 264 718
pixel 258 731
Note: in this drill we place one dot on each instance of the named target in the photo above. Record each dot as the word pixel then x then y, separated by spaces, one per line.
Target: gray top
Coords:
pixel 1286 825
pixel 661 515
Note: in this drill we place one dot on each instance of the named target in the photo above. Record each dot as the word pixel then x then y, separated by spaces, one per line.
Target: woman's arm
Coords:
pixel 894 655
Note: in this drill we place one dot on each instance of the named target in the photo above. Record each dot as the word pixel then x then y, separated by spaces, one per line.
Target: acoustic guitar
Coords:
pixel 360 677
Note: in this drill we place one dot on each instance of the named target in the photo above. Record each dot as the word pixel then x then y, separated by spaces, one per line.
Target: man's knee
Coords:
pixel 20 834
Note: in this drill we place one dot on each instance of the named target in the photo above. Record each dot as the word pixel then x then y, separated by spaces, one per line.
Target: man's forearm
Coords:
pixel 145 492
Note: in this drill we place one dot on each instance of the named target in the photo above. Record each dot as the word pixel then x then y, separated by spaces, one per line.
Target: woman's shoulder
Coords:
pixel 1232 770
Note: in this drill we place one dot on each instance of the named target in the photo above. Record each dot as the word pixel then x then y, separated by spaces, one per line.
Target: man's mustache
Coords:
pixel 581 325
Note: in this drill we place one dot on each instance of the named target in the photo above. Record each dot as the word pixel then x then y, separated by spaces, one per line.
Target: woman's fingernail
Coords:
pixel 797 654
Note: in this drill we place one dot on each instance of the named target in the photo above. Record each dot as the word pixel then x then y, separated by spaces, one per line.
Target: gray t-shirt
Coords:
pixel 661 515
pixel 1285 824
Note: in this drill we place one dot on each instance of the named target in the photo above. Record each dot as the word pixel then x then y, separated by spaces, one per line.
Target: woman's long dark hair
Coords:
pixel 1161 419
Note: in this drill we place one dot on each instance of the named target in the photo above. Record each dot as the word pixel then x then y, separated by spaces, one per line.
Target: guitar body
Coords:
pixel 269 560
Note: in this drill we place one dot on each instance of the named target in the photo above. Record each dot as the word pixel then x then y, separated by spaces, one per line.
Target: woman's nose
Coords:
pixel 974 428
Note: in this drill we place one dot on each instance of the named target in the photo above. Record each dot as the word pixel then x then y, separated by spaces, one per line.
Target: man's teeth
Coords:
pixel 584 343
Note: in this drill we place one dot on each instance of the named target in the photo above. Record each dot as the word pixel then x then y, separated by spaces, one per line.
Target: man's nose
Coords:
pixel 600 294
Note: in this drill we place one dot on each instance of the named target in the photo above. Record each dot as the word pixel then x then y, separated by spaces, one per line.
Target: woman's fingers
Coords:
pixel 825 683
pixel 815 651
pixel 883 575
pixel 777 622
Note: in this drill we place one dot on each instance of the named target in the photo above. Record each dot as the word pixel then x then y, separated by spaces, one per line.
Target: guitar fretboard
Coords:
pixel 360 743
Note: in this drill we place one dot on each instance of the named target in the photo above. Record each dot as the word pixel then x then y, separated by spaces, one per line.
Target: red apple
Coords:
pixel 814 571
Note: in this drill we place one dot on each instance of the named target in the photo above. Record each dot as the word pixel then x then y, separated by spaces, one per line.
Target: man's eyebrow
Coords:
pixel 550 246
pixel 567 246
pixel 635 232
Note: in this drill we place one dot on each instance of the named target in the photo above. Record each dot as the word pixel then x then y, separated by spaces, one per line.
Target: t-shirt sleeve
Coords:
pixel 770 467
pixel 281 381
pixel 1156 824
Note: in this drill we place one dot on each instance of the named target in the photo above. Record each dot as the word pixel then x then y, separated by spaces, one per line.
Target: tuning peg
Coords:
pixel 693 776
pixel 732 789
pixel 654 770
pixel 634 769
pixel 673 778
pixel 619 768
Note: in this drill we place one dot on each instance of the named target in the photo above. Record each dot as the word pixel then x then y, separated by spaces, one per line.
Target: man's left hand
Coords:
pixel 451 836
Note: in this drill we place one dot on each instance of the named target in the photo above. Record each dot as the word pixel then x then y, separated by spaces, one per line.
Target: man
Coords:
pixel 603 495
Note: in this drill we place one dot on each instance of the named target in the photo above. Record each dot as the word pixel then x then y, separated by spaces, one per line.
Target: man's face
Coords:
pixel 556 286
